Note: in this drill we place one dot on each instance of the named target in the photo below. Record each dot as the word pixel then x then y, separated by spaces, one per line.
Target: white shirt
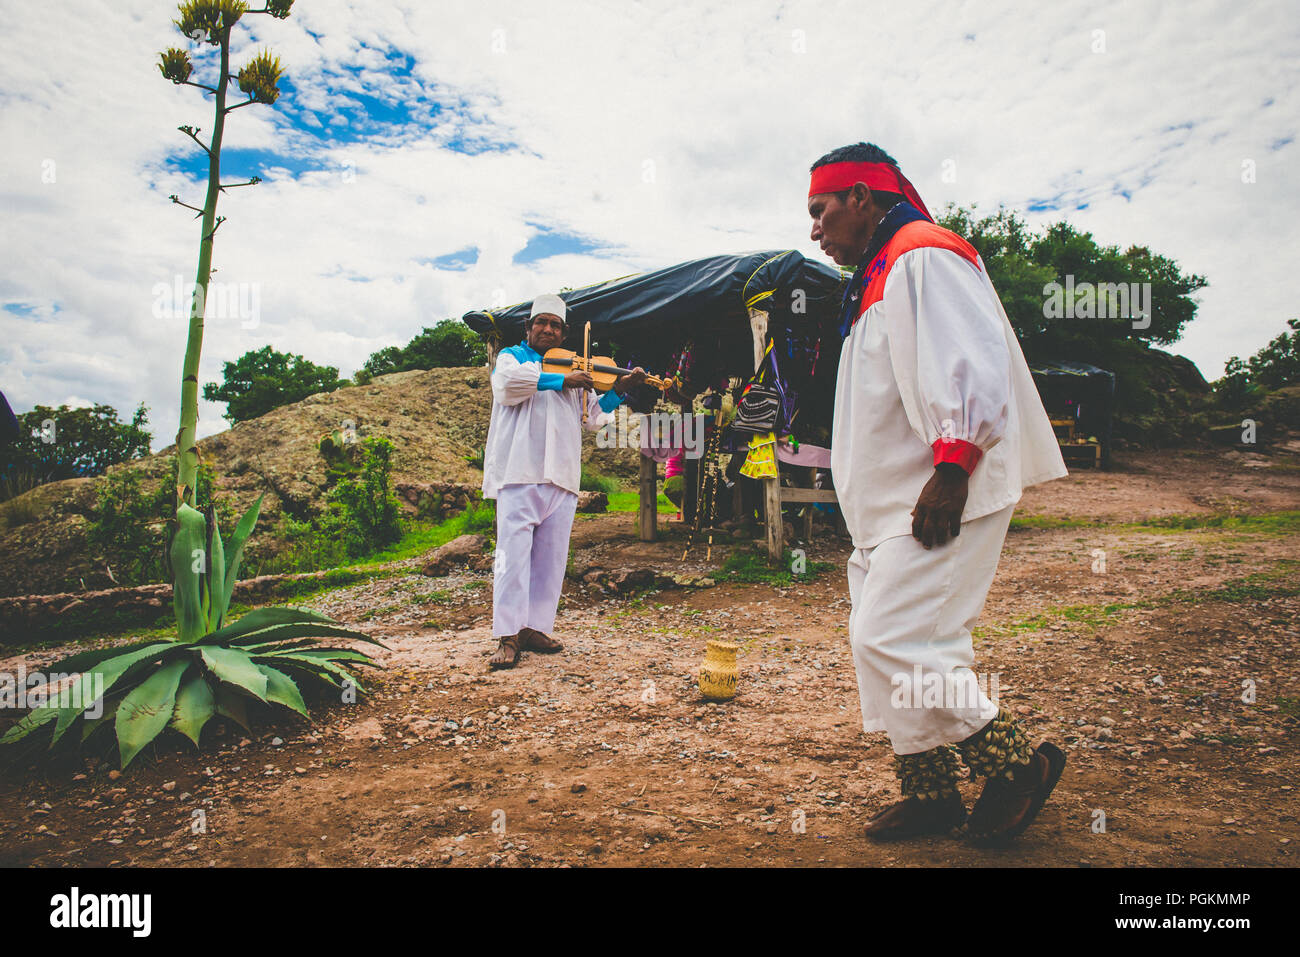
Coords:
pixel 535 433
pixel 933 356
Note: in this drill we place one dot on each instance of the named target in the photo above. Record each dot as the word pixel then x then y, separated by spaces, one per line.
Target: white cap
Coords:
pixel 549 303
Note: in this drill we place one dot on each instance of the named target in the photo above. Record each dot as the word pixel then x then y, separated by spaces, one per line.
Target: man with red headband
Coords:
pixel 938 428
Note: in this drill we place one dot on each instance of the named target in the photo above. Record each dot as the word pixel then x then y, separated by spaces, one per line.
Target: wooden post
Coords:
pixel 648 493
pixel 771 486
pixel 808 509
pixel 775 526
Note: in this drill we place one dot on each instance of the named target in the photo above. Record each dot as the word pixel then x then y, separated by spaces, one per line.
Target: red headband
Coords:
pixel 834 177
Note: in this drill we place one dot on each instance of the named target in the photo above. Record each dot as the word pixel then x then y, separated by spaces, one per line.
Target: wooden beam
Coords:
pixel 824 495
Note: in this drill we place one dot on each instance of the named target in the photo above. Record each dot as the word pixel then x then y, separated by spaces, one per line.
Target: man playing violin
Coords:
pixel 532 465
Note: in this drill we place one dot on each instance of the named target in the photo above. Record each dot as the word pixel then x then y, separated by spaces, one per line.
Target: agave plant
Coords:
pixel 212 668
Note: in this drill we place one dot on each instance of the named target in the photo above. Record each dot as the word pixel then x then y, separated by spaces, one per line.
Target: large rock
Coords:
pixel 592 501
pixel 459 551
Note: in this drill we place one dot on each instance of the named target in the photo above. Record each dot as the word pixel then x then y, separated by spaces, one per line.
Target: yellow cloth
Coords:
pixel 761 460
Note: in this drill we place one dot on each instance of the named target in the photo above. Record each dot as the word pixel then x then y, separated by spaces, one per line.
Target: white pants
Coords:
pixel 533 525
pixel 912 612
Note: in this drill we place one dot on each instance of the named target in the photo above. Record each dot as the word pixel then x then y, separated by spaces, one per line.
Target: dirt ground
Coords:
pixel 607 754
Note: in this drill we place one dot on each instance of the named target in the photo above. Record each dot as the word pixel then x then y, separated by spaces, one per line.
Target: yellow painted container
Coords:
pixel 719 671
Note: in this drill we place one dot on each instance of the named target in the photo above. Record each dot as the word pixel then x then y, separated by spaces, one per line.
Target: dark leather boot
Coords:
pixel 916 817
pixel 1006 808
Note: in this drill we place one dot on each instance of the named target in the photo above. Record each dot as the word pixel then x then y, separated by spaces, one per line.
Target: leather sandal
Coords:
pixel 507 654
pixel 534 640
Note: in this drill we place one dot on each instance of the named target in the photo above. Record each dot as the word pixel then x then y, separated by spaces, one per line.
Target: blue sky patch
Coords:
pixel 551 242
pixel 461 259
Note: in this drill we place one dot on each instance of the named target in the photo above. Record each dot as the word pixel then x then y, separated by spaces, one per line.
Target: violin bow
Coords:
pixel 586 364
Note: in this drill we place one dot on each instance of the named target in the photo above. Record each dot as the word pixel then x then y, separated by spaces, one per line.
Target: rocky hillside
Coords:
pixel 436 419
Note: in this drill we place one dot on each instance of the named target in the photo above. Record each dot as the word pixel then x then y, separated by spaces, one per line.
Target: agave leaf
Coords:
pixel 243 529
pixel 272 646
pixel 326 654
pixel 29 722
pixel 187 600
pixel 220 601
pixel 281 689
pixel 301 670
pixel 310 630
pixel 235 667
pixel 84 660
pixel 86 691
pixel 83 689
pixel 231 704
pixel 144 712
pixel 91 725
pixel 195 704
pixel 109 671
pixel 323 665
pixel 260 618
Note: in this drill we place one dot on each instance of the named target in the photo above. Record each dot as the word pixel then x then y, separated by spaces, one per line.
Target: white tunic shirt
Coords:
pixel 932 356
pixel 535 433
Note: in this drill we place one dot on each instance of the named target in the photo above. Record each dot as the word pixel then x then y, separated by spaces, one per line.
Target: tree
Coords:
pixel 1024 266
pixel 450 343
pixel 1277 365
pixel 1051 284
pixel 63 443
pixel 263 379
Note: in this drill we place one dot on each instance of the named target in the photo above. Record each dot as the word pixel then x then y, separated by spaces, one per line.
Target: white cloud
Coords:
pixel 658 132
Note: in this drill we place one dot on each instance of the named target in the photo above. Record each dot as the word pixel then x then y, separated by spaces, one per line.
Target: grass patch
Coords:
pixel 752 567
pixel 479 519
pixel 1048 521
pixel 1270 523
pixel 1280 582
pixel 593 481
pixel 631 502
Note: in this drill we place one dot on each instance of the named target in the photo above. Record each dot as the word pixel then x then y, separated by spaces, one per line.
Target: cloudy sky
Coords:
pixel 425 159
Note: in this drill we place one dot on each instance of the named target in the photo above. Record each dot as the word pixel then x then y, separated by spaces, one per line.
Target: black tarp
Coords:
pixel 645 319
pixel 1080 390
pixel 702 296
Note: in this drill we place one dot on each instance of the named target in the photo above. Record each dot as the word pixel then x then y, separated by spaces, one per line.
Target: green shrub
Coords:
pixel 363 511
pixel 596 482
pixel 129 527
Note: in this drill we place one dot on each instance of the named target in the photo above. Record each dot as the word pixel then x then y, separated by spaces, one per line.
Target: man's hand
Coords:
pixel 579 380
pixel 938 511
pixel 634 378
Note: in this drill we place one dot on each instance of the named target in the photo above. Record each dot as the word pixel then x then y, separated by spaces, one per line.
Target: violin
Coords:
pixel 601 368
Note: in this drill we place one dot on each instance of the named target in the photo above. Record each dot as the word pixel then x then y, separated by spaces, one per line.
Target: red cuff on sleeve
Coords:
pixel 958 452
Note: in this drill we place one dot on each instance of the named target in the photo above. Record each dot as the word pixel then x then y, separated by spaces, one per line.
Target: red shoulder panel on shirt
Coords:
pixel 914 235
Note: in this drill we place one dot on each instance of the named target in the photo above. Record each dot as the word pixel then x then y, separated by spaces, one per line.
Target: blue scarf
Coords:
pixel 898 217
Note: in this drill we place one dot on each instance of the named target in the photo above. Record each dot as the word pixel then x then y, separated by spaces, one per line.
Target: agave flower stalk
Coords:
pixel 211 21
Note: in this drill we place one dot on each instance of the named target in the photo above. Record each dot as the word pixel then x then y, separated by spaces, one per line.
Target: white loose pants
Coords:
pixel 533 525
pixel 910 631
